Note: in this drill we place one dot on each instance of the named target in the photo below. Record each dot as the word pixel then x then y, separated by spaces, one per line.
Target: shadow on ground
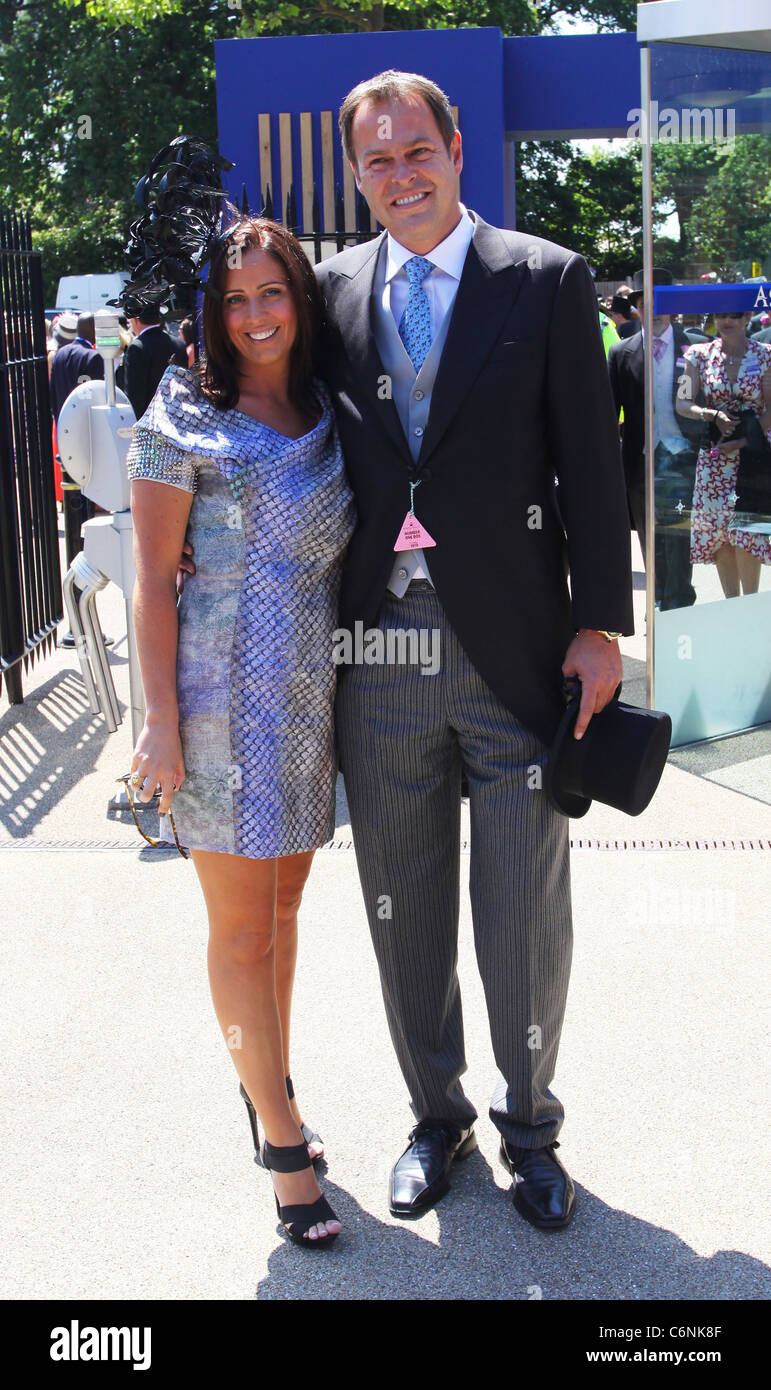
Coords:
pixel 47 745
pixel 486 1251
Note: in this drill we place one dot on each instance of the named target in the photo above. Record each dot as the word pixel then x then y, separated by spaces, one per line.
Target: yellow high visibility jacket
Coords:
pixel 609 334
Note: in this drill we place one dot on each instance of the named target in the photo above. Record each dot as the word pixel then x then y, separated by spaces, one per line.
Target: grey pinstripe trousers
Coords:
pixel 403 738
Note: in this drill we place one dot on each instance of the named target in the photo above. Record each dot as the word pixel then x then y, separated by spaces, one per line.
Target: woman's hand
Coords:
pixel 158 761
pixel 725 422
pixel 186 566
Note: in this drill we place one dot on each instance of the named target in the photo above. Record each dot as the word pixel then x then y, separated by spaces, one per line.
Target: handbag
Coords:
pixel 753 479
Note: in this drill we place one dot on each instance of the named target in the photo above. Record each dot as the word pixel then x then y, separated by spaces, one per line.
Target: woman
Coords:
pixel 239 685
pixel 732 373
pixel 187 334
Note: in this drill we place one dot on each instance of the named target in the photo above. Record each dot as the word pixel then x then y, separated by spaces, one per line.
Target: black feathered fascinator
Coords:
pixel 181 196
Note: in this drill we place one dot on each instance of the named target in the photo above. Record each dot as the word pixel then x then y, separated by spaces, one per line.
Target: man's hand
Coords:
pixel 597 663
pixel 186 566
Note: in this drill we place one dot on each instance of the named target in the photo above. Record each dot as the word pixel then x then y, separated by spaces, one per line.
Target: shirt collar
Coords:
pixel 449 255
pixel 665 337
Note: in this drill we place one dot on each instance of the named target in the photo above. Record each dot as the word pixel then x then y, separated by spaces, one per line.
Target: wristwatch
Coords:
pixel 609 636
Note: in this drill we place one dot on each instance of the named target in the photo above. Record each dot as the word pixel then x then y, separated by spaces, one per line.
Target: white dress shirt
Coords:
pixel 665 426
pixel 440 286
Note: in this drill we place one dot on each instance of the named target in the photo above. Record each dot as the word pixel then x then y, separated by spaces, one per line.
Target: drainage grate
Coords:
pixel 33 845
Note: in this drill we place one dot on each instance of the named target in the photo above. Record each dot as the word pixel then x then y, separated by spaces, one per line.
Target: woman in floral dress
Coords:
pixel 730 374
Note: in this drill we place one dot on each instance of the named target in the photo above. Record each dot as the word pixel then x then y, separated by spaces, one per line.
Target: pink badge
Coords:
pixel 413 536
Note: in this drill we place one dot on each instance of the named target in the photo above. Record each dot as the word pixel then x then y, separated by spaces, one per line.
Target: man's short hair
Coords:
pixel 395 86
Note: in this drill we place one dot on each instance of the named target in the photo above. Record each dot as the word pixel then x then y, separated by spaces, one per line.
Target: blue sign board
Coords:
pixel 747 296
pixel 315 73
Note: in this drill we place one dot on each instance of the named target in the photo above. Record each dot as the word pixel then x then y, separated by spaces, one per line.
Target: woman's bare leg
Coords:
pixel 292 874
pixel 241 896
pixel 748 567
pixel 728 573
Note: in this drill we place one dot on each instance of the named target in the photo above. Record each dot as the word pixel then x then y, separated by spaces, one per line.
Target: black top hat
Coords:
pixel 619 760
pixel 660 277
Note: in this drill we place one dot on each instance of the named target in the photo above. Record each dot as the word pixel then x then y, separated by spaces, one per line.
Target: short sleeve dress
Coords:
pixel 270 521
pixel 714 521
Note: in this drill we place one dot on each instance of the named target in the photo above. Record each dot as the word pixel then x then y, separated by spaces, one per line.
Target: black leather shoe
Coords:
pixel 420 1176
pixel 543 1189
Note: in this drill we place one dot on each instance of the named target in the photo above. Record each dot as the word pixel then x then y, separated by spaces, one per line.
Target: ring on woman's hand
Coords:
pixel 136 779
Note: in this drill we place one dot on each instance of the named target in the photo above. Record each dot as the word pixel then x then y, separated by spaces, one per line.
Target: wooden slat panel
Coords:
pixel 327 173
pixel 349 196
pixel 266 174
pixel 285 151
pixel 306 157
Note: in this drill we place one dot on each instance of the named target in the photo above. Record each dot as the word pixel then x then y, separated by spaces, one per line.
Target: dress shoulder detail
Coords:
pixel 180 412
pixel 153 457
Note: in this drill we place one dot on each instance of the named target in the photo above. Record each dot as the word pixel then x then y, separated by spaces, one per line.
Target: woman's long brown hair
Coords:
pixel 219 370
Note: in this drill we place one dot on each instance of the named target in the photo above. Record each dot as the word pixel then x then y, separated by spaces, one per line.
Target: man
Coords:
pixel 675 448
pixel 147 357
pixel 74 362
pixel 467 369
pixel 624 316
pixel 608 330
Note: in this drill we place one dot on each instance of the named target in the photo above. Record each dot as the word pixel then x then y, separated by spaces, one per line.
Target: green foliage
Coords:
pixel 142 71
pixel 86 105
pixel 590 203
pixel 722 196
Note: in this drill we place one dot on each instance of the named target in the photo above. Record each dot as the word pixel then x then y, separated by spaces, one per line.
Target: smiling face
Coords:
pixel 405 171
pixel 258 311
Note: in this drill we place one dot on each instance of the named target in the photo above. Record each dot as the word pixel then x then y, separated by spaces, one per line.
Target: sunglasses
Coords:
pixel 156 844
pixel 729 316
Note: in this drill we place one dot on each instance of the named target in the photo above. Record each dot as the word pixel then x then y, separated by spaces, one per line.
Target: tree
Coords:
pixel 588 202
pixel 722 196
pixel 90 90
pixel 110 99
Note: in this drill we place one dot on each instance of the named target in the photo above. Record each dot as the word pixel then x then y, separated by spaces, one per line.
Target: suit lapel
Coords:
pixel 352 302
pixel 489 284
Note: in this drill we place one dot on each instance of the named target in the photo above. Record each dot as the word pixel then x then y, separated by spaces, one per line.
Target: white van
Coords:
pixel 86 293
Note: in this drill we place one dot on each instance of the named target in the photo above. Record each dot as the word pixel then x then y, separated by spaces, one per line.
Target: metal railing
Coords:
pixel 324 241
pixel 30 576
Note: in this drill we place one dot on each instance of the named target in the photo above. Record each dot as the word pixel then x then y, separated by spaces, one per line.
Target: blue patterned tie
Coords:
pixel 415 326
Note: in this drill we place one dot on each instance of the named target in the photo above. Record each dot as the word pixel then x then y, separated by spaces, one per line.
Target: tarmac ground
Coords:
pixel 129 1170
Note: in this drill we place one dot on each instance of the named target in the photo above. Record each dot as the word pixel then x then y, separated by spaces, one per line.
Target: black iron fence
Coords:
pixel 30 577
pixel 320 242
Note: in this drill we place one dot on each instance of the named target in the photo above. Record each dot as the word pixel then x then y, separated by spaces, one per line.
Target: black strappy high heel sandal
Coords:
pixel 309 1135
pixel 252 1113
pixel 298 1219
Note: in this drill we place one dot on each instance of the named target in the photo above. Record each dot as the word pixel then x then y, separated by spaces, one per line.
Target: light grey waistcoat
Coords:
pixel 412 397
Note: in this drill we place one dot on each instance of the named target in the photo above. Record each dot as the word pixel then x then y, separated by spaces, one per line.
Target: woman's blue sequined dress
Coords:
pixel 270 521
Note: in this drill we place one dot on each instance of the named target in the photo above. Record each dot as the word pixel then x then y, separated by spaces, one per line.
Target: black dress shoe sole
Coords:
pixel 440 1188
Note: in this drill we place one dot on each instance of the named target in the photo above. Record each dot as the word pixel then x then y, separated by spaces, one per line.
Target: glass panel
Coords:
pixel 710 131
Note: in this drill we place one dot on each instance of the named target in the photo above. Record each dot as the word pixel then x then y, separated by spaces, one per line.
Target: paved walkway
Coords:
pixel 128 1169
